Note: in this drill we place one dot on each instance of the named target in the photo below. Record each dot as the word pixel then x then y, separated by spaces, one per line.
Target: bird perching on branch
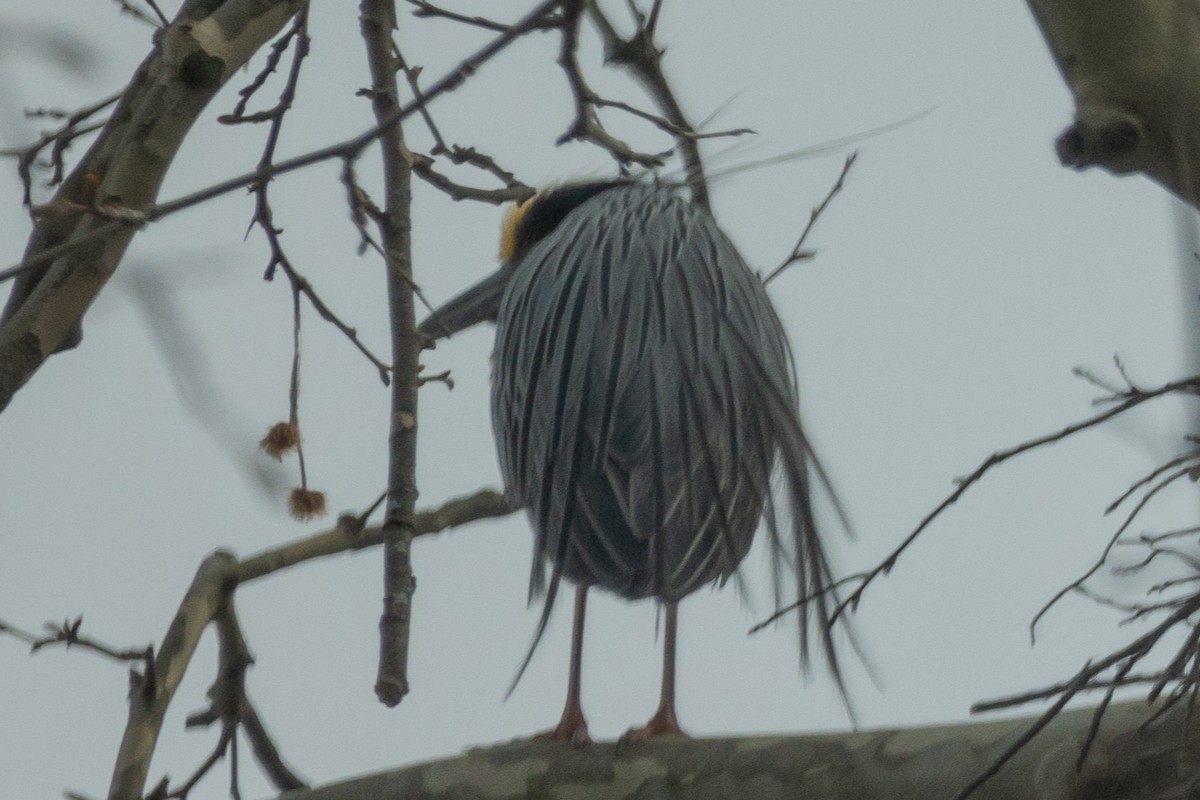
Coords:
pixel 642 397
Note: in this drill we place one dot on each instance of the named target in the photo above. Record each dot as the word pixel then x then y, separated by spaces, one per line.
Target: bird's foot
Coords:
pixel 663 723
pixel 572 729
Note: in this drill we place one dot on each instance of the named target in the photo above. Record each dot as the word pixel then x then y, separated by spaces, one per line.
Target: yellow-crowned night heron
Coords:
pixel 642 395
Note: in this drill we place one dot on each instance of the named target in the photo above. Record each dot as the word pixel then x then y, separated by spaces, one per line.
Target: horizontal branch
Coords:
pixel 915 764
pixel 349 534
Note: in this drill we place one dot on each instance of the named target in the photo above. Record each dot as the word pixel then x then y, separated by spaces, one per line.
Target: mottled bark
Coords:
pixel 932 763
pixel 1133 68
pixel 97 205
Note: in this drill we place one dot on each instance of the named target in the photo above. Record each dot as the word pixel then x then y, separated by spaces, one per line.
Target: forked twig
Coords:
pixel 1126 400
pixel 798 252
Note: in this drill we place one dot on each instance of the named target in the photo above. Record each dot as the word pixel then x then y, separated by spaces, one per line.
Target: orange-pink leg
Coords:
pixel 664 721
pixel 573 727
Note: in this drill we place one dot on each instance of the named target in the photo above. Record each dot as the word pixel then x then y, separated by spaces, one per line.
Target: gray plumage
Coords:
pixel 643 395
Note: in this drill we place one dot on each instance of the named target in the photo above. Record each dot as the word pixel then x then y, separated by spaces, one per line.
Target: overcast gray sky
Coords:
pixel 961 275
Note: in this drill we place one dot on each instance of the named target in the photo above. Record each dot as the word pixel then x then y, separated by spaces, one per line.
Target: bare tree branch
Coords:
pixel 1124 401
pixel 209 599
pixel 643 58
pixel 423 165
pixel 798 252
pixel 378 20
pixel 587 125
pixel 67 634
pixel 58 141
pixel 84 246
pixel 546 21
pixel 193 58
pixel 351 534
pixel 151 695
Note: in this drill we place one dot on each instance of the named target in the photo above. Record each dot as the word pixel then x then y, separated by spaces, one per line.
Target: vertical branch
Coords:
pixel 294 384
pixel 378 20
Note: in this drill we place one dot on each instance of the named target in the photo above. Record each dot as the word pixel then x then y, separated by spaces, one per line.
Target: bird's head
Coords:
pixel 524 226
pixel 529 222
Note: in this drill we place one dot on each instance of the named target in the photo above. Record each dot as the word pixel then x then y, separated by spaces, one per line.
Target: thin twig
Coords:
pixel 67 634
pixel 297 32
pixel 798 252
pixel 1022 740
pixel 58 140
pixel 423 168
pixel 643 58
pixel 1182 673
pixel 514 190
pixel 1087 679
pixel 348 150
pixel 215 755
pixel 1092 570
pixel 547 21
pixel 141 16
pixel 302 284
pixel 265 752
pixel 209 593
pixel 1149 478
pixel 665 125
pixel 587 125
pixel 294 385
pixel 1130 399
pixel 162 18
pixel 264 217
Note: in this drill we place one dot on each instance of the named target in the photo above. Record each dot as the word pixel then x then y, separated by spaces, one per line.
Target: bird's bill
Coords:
pixel 480 303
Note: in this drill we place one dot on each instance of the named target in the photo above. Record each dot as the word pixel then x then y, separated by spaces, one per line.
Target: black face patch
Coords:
pixel 548 210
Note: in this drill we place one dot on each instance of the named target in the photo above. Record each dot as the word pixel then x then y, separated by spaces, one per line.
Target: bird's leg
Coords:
pixel 664 722
pixel 573 727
